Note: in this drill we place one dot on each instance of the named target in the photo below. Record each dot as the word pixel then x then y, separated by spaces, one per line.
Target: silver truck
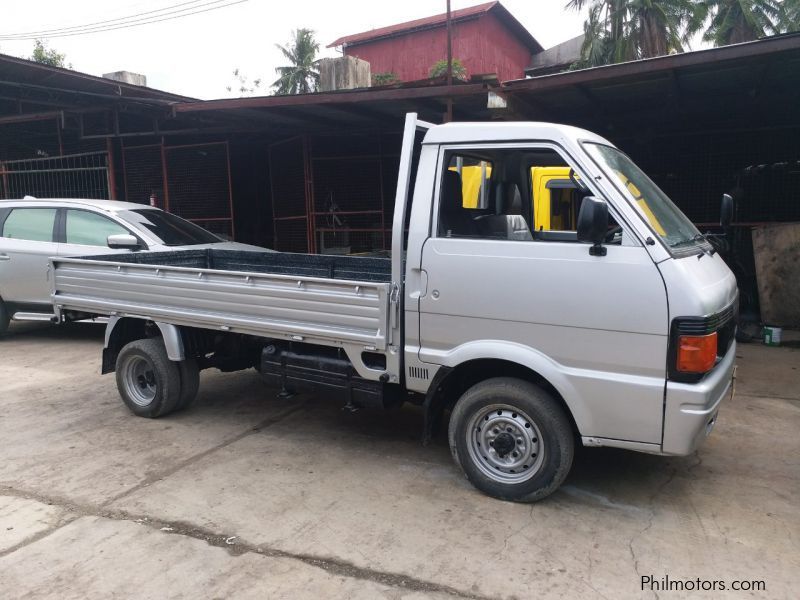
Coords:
pixel 527 318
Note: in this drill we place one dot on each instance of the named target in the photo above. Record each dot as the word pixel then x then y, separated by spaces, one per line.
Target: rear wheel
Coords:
pixel 512 439
pixel 4 318
pixel 148 382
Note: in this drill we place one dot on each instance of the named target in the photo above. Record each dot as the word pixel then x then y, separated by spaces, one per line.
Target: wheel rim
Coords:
pixel 139 379
pixel 505 443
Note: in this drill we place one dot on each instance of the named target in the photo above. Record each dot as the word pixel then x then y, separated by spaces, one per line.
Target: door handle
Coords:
pixel 418 283
pixel 5 257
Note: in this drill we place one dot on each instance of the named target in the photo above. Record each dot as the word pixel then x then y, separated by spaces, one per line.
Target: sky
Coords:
pixel 196 55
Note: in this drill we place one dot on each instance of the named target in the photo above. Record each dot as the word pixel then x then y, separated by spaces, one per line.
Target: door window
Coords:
pixel 33 224
pixel 90 229
pixel 514 194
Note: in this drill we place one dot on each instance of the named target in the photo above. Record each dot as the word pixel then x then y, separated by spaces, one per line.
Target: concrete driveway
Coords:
pixel 249 496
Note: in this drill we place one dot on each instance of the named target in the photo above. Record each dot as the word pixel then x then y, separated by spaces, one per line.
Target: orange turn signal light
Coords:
pixel 697 353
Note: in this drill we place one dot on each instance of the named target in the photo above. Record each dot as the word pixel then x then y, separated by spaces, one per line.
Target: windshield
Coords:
pixel 169 229
pixel 658 210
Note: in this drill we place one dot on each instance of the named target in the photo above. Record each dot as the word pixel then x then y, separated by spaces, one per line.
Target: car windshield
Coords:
pixel 169 229
pixel 658 210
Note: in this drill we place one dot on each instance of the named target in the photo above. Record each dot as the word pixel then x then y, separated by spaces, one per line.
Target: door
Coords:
pixel 26 244
pixel 599 321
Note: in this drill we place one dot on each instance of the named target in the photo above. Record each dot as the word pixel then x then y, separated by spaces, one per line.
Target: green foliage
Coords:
pixel 734 21
pixel 48 56
pixel 300 76
pixel 386 78
pixel 243 85
pixel 623 30
pixel 790 16
pixel 439 69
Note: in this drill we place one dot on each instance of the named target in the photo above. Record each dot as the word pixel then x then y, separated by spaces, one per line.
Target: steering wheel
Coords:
pixel 613 232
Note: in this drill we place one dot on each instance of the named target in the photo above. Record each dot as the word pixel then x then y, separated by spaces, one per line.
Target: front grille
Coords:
pixel 706 325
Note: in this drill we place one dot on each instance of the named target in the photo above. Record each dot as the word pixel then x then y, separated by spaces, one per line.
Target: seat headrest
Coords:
pixel 514 200
pixel 452 193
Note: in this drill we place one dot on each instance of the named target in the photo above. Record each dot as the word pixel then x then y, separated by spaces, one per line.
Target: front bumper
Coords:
pixel 691 408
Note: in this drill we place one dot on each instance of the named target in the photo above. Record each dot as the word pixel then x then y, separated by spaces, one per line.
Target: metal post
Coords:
pixel 60 140
pixel 230 189
pixel 112 180
pixel 449 115
pixel 164 176
pixel 308 178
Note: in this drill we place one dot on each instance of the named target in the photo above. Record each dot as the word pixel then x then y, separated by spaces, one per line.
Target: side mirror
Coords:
pixel 726 211
pixel 593 224
pixel 123 241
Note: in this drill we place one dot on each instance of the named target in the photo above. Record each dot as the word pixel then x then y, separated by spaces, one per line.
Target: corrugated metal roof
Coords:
pixel 21 72
pixel 440 20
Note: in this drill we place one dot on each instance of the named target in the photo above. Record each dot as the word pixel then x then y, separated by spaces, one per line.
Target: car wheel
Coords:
pixel 148 381
pixel 512 439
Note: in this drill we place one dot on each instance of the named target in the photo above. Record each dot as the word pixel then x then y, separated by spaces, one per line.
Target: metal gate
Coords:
pixel 192 181
pixel 72 176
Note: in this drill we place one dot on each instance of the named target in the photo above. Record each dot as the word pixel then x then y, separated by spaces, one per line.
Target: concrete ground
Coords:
pixel 248 496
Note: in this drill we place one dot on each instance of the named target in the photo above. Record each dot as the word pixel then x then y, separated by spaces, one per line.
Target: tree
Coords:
pixel 48 56
pixel 790 16
pixel 243 85
pixel 301 75
pixel 736 21
pixel 622 30
pixel 439 69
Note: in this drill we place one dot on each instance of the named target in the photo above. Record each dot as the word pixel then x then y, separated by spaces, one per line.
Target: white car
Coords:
pixel 33 230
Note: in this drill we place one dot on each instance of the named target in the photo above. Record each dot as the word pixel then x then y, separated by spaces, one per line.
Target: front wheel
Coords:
pixel 512 439
pixel 148 381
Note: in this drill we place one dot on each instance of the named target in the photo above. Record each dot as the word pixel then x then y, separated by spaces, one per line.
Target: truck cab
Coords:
pixel 630 329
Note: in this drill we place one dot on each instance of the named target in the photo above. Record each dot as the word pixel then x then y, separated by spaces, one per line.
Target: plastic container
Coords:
pixel 772 336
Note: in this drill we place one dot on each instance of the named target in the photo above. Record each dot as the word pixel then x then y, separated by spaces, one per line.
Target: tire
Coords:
pixel 532 432
pixel 5 319
pixel 148 381
pixel 190 383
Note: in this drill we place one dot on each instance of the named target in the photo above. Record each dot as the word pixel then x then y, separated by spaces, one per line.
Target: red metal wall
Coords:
pixel 483 45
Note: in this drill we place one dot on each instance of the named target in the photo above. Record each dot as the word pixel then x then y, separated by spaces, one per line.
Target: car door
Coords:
pixel 86 232
pixel 597 321
pixel 26 244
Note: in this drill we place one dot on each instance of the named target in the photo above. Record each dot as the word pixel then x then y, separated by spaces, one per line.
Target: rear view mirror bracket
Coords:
pixel 597 249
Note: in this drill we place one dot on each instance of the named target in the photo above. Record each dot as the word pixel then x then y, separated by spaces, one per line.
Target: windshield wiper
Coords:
pixel 700 237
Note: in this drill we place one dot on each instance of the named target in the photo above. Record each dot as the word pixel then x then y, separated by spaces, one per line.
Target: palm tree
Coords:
pixel 735 21
pixel 301 75
pixel 621 30
pixel 790 16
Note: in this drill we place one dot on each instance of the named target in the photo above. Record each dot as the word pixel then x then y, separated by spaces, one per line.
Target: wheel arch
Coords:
pixel 467 366
pixel 123 330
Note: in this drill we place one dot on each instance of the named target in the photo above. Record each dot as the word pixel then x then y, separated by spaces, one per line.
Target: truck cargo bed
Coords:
pixel 334 300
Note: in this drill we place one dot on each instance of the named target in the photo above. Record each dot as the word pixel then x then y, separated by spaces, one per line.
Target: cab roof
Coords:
pixel 507 131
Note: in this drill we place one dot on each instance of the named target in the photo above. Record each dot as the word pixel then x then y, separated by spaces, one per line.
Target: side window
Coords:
pixel 33 224
pixel 513 194
pixel 90 229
